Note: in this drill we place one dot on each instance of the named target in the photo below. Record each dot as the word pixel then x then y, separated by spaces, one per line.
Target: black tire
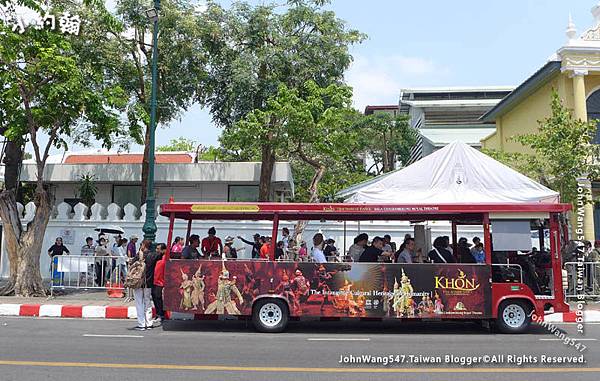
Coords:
pixel 514 316
pixel 270 315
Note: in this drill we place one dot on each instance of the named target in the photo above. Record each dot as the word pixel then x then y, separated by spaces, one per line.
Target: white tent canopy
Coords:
pixel 456 173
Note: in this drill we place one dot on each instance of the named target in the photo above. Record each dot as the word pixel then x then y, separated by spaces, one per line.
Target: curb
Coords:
pixel 592 316
pixel 68 311
pixel 129 312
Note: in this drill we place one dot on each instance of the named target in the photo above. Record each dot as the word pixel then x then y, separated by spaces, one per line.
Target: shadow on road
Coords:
pixel 349 326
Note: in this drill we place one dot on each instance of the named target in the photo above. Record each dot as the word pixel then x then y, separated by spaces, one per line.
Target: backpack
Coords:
pixel 136 275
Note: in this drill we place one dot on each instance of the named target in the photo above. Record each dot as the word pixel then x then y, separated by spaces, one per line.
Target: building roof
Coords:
pixel 452 103
pixel 465 134
pixel 186 173
pixel 370 109
pixel 531 84
pixel 457 89
pixel 127 158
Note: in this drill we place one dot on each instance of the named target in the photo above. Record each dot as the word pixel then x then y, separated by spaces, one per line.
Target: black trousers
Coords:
pixel 157 299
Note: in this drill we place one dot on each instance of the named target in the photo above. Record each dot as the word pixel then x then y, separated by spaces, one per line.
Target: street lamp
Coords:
pixel 149 227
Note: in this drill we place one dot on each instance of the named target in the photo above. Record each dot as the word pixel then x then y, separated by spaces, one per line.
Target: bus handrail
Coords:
pixel 511 265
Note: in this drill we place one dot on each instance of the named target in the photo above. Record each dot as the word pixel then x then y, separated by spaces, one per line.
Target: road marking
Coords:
pixel 571 339
pixel 117 336
pixel 293 369
pixel 338 339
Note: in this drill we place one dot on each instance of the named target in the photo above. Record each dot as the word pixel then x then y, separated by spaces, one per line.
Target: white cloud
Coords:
pixel 378 79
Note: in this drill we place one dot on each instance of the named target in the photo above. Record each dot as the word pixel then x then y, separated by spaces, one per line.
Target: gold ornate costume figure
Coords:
pixel 198 292
pixel 186 286
pixel 403 303
pixel 225 287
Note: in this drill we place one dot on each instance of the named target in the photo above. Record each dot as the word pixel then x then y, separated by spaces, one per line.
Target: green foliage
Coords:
pixel 252 50
pixel 387 139
pixel 563 152
pixel 315 128
pixel 48 84
pixel 179 144
pixel 87 189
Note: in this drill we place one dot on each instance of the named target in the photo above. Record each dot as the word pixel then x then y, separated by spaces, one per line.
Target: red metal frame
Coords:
pixel 456 213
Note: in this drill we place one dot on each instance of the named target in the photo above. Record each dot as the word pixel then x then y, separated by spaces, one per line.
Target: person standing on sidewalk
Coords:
pixel 159 282
pixel 142 295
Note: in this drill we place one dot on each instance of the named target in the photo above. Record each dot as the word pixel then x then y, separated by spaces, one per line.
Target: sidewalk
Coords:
pixel 82 304
pixel 97 304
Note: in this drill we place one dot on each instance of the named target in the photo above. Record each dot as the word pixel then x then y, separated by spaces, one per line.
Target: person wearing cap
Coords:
pixel 255 245
pixel 212 247
pixel 464 251
pixel 330 250
pixel 228 249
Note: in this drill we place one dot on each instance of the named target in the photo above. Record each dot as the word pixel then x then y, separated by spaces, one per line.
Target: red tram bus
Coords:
pixel 511 284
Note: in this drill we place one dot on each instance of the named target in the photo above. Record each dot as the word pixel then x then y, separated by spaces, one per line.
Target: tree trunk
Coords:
pixel 13 158
pixel 314 197
pixel 24 248
pixel 145 165
pixel 266 173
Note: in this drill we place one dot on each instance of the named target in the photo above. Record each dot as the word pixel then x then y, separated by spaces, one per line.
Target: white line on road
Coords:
pixel 571 339
pixel 338 339
pixel 114 336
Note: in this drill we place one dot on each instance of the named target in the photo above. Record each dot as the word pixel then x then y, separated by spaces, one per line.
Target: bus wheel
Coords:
pixel 513 316
pixel 270 315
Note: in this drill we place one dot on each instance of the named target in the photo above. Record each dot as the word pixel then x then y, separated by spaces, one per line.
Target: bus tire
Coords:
pixel 270 315
pixel 514 316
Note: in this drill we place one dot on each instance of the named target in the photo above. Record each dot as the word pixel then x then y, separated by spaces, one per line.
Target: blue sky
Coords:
pixel 434 43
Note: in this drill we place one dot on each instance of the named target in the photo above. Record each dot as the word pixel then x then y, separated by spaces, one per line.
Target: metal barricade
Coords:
pixel 87 272
pixel 583 280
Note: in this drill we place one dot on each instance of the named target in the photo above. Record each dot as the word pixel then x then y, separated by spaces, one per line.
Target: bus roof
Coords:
pixel 350 212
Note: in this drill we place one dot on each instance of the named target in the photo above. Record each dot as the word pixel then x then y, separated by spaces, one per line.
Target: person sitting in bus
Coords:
pixel 330 250
pixel 303 252
pixel 317 251
pixel 280 251
pixel 212 247
pixel 372 253
pixel 406 255
pixel 265 250
pixel 228 249
pixel 440 254
pixel 285 238
pixel 177 248
pixel 478 253
pixel 463 251
pixel 191 250
pixel 388 245
pixel 476 240
pixel 360 243
pixel 256 245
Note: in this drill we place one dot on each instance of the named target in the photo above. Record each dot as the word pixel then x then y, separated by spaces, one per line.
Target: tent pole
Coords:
pixel 454 238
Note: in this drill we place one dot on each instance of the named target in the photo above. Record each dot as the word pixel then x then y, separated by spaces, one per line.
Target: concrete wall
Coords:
pixel 75 222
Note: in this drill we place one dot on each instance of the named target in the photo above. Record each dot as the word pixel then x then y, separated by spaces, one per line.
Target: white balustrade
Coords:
pixel 114 212
pixel 143 210
pixel 80 212
pixel 29 211
pixel 130 213
pixel 97 212
pixel 63 211
pixel 20 209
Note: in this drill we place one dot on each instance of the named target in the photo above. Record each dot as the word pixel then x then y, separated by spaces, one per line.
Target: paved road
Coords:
pixel 34 349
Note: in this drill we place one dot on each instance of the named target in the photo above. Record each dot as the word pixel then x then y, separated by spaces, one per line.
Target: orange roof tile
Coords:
pixel 128 158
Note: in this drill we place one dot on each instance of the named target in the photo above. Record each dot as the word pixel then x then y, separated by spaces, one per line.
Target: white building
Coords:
pixel 118 178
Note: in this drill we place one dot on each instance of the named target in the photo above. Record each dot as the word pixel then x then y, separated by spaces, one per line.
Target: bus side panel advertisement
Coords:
pixel 458 291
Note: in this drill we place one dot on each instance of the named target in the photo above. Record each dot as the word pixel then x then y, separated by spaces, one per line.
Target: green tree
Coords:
pixel 387 139
pixel 87 189
pixel 252 50
pixel 128 49
pixel 179 144
pixel 48 87
pixel 563 152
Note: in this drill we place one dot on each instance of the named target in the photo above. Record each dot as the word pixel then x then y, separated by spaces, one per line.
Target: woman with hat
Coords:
pixel 228 249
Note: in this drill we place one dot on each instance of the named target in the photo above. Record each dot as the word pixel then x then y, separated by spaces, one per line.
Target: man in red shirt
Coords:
pixel 212 247
pixel 265 250
pixel 159 282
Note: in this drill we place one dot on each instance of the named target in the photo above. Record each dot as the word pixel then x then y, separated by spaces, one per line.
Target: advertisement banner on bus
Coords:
pixel 331 289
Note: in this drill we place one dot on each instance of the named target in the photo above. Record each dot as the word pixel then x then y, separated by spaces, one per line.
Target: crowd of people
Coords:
pixel 378 249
